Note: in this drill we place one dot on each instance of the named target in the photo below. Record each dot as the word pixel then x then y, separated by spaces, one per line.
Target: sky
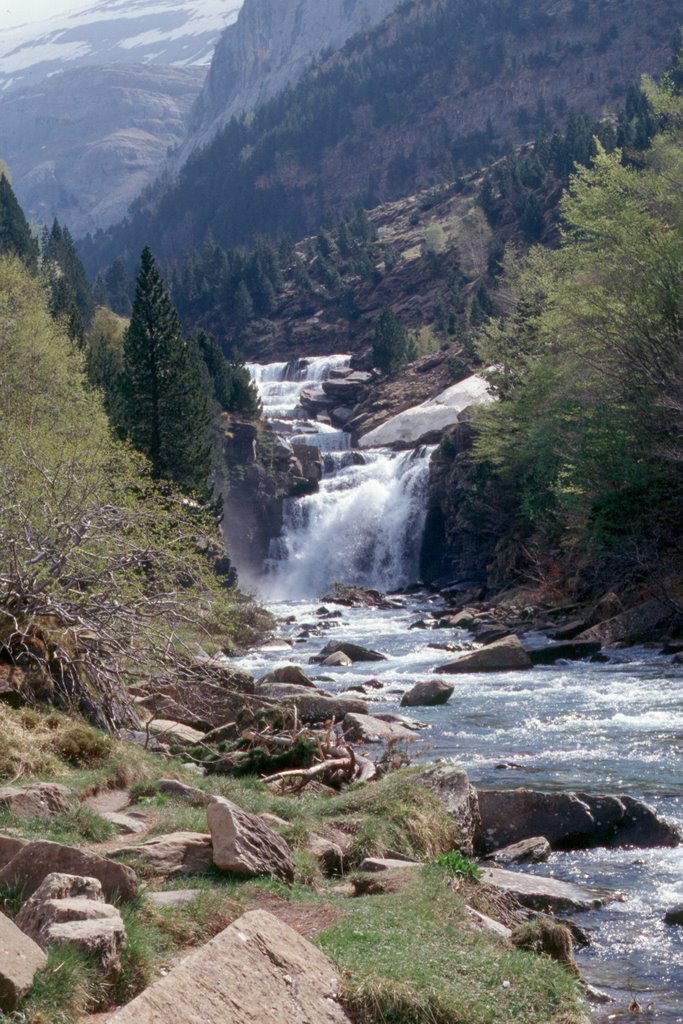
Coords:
pixel 22 12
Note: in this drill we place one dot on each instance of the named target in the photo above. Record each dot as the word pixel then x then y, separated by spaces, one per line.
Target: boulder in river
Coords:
pixel 506 655
pixel 292 674
pixel 547 894
pixel 576 650
pixel 353 651
pixel 338 660
pixel 369 729
pixel 528 851
pixel 569 821
pixel 674 915
pixel 429 693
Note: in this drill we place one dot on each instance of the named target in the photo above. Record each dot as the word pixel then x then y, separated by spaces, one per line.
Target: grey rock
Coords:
pixel 338 660
pixel 181 791
pixel 547 894
pixel 372 864
pixel 353 651
pixel 173 897
pixel 674 915
pixel 244 844
pixel 486 924
pixel 576 650
pixel 360 728
pixel 20 960
pixel 506 655
pixel 257 969
pixel 124 824
pixel 528 851
pixel 292 674
pixel 451 784
pixel 177 853
pixel 41 800
pixel 430 693
pixel 35 861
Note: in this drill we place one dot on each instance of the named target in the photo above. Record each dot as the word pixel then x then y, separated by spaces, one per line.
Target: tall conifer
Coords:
pixel 167 410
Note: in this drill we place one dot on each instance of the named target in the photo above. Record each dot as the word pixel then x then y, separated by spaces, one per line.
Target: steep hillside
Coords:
pixel 83 144
pixel 439 86
pixel 270 45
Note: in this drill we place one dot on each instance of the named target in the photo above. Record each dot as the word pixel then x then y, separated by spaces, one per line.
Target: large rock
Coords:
pixel 69 909
pixel 369 729
pixel 674 915
pixel 9 848
pixel 429 693
pixel 547 894
pixel 244 845
pixel 647 621
pixel 175 732
pixel 506 655
pixel 257 970
pixel 292 674
pixel 451 784
pixel 567 651
pixel 178 853
pixel 41 800
pixel 434 415
pixel 569 820
pixel 34 861
pixel 337 660
pixel 316 707
pixel 353 651
pixel 529 851
pixel 20 959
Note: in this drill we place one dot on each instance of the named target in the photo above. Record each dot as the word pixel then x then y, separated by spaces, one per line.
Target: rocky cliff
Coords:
pixel 82 145
pixel 269 46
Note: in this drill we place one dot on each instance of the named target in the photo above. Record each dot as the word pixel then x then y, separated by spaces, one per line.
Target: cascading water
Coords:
pixel 365 523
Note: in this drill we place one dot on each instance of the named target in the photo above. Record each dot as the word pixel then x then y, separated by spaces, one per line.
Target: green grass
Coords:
pixel 72 827
pixel 71 985
pixel 413 959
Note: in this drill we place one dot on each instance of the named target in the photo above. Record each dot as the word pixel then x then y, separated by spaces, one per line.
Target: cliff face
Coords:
pixel 269 46
pixel 82 145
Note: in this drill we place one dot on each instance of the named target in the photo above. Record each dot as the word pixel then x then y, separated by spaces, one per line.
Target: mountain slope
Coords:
pixel 270 45
pixel 438 87
pixel 180 32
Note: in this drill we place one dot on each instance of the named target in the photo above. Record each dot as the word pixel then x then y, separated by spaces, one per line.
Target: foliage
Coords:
pixel 101 569
pixel 15 234
pixel 391 347
pixel 166 409
pixel 71 295
pixel 456 863
pixel 586 441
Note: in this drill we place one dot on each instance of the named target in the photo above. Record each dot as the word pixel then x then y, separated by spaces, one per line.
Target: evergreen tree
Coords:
pixel 166 408
pixel 391 345
pixel 15 233
pixel 118 288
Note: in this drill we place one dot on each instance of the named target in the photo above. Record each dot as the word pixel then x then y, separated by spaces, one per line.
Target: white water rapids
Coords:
pixel 615 727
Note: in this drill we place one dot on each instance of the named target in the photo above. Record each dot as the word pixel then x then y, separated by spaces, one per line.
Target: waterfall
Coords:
pixel 365 524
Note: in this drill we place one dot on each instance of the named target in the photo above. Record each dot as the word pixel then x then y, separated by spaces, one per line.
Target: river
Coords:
pixel 614 727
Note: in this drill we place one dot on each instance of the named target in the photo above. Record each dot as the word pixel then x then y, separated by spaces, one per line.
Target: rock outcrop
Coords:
pixel 20 959
pixel 40 800
pixel 34 861
pixel 257 969
pixel 570 820
pixel 451 784
pixel 271 44
pixel 547 894
pixel 245 845
pixel 178 853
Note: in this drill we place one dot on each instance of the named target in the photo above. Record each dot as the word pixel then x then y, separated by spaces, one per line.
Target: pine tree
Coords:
pixel 391 345
pixel 166 408
pixel 15 233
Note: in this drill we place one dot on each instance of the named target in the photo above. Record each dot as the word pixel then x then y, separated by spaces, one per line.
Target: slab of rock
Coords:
pixel 292 674
pixel 181 791
pixel 258 969
pixel 486 924
pixel 369 729
pixel 31 865
pixel 66 908
pixel 577 650
pixel 244 844
pixel 124 824
pixel 674 915
pixel 528 851
pixel 315 708
pixel 328 854
pixel 570 821
pixel 506 655
pixel 338 660
pixel 178 853
pixel 20 960
pixel 41 800
pixel 547 894
pixel 174 897
pixel 451 784
pixel 430 693
pixel 373 864
pixel 647 621
pixel 9 848
pixel 175 732
pixel 353 651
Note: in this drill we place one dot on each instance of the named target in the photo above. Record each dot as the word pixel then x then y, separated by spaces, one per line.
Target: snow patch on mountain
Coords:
pixel 175 32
